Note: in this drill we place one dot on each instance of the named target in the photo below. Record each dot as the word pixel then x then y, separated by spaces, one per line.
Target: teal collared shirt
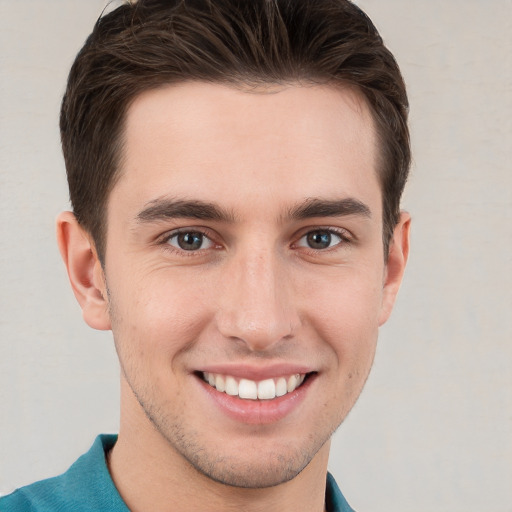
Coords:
pixel 87 487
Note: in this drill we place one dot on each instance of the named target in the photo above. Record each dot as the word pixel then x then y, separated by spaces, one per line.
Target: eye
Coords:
pixel 190 241
pixel 320 239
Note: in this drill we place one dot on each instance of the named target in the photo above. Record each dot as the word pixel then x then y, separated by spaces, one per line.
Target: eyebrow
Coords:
pixel 315 207
pixel 168 208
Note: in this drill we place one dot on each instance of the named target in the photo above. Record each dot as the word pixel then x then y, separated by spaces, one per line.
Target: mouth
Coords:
pixel 247 389
pixel 256 396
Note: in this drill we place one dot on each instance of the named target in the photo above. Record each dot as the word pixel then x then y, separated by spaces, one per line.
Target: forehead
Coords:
pixel 216 141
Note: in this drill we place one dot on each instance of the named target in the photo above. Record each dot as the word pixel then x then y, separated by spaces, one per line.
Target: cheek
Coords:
pixel 346 318
pixel 347 302
pixel 156 315
pixel 352 338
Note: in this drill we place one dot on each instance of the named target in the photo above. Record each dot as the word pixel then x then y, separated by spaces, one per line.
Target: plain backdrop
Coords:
pixel 433 428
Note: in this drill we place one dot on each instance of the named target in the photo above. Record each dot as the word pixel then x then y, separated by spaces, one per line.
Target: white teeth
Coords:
pixel 250 390
pixel 231 386
pixel 281 388
pixel 266 389
pixel 220 383
pixel 247 389
pixel 293 382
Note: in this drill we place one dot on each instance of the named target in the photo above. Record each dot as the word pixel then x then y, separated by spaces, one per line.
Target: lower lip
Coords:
pixel 258 412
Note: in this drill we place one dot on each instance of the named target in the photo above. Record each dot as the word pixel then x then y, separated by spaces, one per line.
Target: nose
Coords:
pixel 256 303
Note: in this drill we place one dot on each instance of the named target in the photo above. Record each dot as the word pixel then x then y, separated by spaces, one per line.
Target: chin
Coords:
pixel 265 472
pixel 253 463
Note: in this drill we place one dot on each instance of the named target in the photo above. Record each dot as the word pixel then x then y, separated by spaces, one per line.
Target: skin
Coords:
pixel 254 295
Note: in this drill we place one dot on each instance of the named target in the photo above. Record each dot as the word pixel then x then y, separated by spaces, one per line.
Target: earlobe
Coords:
pixel 395 265
pixel 84 271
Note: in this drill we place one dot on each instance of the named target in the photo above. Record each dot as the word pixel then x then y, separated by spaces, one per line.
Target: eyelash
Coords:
pixel 165 239
pixel 342 234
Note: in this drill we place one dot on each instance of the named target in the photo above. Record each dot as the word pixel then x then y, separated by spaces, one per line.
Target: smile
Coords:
pixel 251 390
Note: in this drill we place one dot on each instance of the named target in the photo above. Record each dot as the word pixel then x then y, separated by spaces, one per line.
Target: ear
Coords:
pixel 84 271
pixel 395 265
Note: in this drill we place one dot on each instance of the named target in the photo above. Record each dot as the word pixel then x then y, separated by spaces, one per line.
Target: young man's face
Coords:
pixel 244 247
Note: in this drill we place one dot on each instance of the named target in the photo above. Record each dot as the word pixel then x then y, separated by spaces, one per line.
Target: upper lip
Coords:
pixel 256 373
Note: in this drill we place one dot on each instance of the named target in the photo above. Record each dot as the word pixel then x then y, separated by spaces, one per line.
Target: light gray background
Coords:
pixel 433 429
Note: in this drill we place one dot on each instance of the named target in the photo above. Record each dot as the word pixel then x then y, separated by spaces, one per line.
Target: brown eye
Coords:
pixel 190 241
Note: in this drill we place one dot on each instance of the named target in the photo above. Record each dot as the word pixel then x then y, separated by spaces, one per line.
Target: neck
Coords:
pixel 151 475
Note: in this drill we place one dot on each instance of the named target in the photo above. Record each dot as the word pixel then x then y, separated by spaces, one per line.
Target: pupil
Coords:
pixel 190 241
pixel 319 240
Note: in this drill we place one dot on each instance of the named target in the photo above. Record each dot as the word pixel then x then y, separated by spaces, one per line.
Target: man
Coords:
pixel 235 170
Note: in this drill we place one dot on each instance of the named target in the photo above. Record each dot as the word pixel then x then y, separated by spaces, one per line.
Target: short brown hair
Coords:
pixel 150 43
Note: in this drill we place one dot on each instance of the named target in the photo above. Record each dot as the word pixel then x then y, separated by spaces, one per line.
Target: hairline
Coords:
pixel 250 85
